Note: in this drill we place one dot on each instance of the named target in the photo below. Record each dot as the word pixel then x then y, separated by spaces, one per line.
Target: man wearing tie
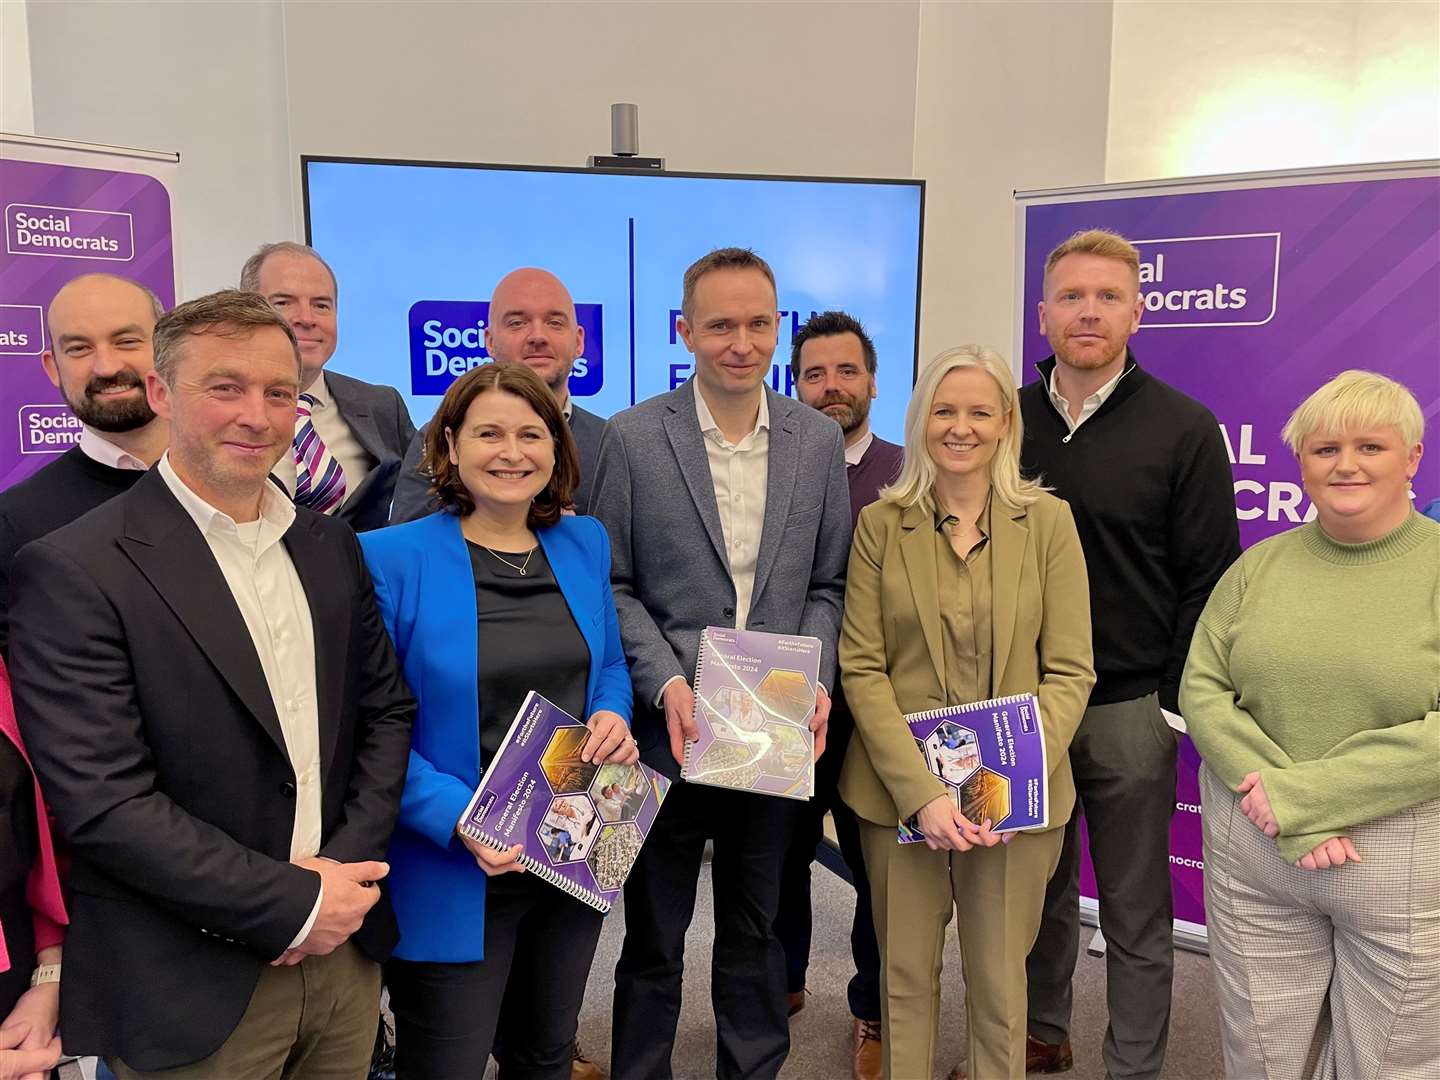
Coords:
pixel 349 435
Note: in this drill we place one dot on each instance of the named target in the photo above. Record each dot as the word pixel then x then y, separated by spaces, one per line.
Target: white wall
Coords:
pixel 731 86
pixel 17 111
pixel 978 98
pixel 206 79
pixel 1009 96
pixel 1200 88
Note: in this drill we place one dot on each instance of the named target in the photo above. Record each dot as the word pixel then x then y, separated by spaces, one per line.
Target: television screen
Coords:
pixel 416 248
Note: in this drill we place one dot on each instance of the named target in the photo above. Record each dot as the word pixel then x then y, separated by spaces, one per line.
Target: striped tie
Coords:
pixel 319 480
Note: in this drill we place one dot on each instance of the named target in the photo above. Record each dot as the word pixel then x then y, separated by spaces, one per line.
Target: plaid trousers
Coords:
pixel 1325 974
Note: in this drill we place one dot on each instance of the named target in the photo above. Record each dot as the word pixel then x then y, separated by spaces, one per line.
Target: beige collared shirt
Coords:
pixel 965 611
pixel 739 472
pixel 98 448
pixel 272 601
pixel 335 433
pixel 1088 406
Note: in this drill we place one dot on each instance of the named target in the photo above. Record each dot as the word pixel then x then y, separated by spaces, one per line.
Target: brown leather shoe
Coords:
pixel 794 1002
pixel 1043 1057
pixel 1040 1057
pixel 582 1068
pixel 868 1050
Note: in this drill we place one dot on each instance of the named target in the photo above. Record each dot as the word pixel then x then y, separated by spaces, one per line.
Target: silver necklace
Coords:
pixel 518 569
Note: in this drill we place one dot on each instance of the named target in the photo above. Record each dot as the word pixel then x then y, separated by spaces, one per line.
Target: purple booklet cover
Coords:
pixel 581 824
pixel 754 697
pixel 991 757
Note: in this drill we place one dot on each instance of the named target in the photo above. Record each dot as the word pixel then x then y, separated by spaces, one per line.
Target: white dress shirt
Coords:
pixel 853 454
pixel 1088 406
pixel 98 448
pixel 271 599
pixel 335 433
pixel 739 472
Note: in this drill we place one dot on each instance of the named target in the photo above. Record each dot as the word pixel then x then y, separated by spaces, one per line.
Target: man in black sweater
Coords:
pixel 1145 470
pixel 100 328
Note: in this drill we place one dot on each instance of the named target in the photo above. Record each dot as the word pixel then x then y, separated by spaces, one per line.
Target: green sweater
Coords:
pixel 1317 664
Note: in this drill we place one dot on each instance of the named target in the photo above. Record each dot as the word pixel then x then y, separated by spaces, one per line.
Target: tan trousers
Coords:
pixel 999 893
pixel 1325 973
pixel 313 1021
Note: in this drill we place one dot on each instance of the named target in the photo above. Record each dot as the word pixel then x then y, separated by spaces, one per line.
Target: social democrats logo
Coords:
pixel 69 232
pixel 1209 280
pixel 22 330
pixel 447 339
pixel 47 429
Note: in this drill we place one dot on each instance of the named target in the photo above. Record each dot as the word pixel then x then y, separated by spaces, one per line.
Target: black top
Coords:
pixel 1149 481
pixel 69 487
pixel 527 638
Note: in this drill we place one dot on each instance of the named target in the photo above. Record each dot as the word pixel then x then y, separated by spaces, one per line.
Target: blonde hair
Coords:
pixel 1353 401
pixel 1103 243
pixel 916 483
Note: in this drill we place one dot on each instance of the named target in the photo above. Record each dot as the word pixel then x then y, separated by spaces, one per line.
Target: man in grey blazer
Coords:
pixel 349 433
pixel 532 322
pixel 726 505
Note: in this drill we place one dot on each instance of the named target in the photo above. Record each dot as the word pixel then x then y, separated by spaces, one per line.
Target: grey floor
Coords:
pixel 820 1032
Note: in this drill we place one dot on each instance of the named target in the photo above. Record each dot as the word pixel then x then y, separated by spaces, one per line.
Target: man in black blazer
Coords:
pixel 222 731
pixel 365 427
pixel 532 322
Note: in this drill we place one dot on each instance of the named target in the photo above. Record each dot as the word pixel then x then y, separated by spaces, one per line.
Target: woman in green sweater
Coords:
pixel 1312 691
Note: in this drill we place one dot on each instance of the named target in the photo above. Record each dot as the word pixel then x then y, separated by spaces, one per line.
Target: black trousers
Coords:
pixel 751 834
pixel 1123 758
pixel 523 1000
pixel 793 923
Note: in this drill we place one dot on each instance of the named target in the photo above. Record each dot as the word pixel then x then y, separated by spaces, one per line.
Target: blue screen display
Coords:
pixel 417 248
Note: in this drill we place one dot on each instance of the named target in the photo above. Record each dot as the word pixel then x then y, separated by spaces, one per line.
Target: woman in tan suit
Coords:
pixel 966 582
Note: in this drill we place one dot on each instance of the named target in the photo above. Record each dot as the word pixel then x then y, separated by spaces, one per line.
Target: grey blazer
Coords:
pixel 381 424
pixel 671 576
pixel 412 489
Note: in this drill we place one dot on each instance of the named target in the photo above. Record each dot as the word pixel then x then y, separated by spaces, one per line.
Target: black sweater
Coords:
pixel 1149 481
pixel 69 487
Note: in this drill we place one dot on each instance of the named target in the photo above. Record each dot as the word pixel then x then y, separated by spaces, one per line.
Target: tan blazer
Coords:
pixel 890 645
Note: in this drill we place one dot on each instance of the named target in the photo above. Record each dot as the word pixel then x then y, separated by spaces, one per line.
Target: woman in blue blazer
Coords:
pixel 498 594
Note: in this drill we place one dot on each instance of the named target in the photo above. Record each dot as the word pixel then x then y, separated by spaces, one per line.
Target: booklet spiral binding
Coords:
pixel 533 866
pixel 581 824
pixel 754 697
pixel 990 755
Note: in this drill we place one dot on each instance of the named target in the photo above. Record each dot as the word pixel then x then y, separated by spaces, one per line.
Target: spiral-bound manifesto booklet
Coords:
pixel 581 824
pixel 754 697
pixel 991 757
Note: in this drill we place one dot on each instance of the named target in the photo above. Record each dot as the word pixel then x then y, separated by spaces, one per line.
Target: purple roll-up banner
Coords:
pixel 69 209
pixel 1258 289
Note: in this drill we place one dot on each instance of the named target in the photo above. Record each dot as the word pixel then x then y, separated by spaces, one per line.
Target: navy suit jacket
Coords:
pixel 426 590
pixel 381 424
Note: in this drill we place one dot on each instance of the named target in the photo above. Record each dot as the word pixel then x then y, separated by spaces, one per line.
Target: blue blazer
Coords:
pixel 426 590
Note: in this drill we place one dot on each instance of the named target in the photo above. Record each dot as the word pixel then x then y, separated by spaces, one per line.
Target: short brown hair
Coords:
pixel 730 258
pixel 229 313
pixel 1104 243
pixel 517 379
